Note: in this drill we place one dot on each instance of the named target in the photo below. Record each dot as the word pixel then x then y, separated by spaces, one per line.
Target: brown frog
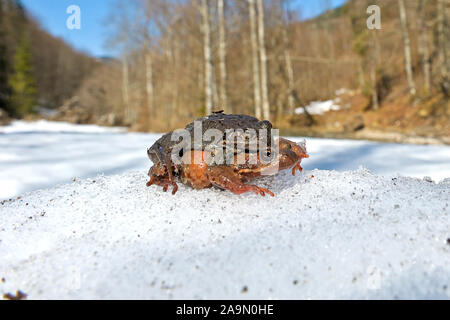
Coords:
pixel 198 165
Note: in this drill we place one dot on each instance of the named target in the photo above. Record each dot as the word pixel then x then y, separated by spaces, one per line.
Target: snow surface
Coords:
pixel 326 234
pixel 319 107
pixel 43 154
pixel 337 235
pixel 20 126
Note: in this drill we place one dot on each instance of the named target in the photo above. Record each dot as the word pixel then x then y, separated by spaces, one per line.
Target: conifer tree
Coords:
pixel 3 65
pixel 22 82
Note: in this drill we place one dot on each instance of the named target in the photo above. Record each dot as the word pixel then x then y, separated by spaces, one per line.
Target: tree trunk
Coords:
pixel 207 56
pixel 331 81
pixel 222 57
pixel 443 40
pixel 361 78
pixel 290 74
pixel 373 81
pixel 171 52
pixel 373 70
pixel 255 62
pixel 149 84
pixel 263 60
pixel 406 47
pixel 423 47
pixel 125 94
pixel 289 69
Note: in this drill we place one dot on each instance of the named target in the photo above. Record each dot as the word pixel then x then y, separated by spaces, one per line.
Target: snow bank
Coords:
pixel 319 107
pixel 347 234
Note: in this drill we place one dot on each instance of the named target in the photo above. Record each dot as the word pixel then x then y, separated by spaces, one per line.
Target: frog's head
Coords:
pixel 161 160
pixel 290 153
pixel 156 153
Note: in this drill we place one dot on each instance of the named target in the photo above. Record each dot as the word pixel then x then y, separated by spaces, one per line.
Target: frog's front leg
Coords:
pixel 161 178
pixel 226 178
pixel 164 182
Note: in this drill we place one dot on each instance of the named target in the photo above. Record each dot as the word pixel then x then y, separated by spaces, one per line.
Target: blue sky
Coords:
pixel 92 36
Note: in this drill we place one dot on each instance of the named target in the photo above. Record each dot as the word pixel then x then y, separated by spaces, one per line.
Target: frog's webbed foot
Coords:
pixel 164 182
pixel 224 177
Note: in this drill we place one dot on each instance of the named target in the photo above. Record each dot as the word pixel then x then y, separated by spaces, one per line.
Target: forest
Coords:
pixel 183 59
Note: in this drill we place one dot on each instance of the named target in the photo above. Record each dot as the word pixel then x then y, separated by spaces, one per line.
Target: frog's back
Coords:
pixel 223 122
pixel 232 126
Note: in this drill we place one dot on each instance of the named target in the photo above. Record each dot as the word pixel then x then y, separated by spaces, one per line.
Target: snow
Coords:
pixel 43 154
pixel 341 91
pixel 319 107
pixel 20 126
pixel 337 235
pixel 345 91
pixel 336 232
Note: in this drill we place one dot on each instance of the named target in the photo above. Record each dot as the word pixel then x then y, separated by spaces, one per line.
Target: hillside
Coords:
pixel 32 58
pixel 399 117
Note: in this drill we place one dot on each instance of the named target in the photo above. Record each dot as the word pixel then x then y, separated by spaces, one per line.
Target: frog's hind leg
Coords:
pixel 226 178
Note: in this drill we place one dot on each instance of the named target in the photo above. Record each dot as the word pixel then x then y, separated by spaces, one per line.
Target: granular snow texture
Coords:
pixel 325 235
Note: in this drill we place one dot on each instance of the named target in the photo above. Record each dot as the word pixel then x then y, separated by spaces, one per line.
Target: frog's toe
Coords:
pixel 297 166
pixel 256 190
pixel 263 191
pixel 152 181
pixel 175 188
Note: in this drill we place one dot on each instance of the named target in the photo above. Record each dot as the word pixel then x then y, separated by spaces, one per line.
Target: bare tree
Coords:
pixel 288 61
pixel 374 61
pixel 373 73
pixel 149 83
pixel 255 61
pixel 443 40
pixel 125 92
pixel 222 56
pixel 263 60
pixel 423 46
pixel 327 8
pixel 290 76
pixel 166 17
pixel 206 28
pixel 148 61
pixel 406 47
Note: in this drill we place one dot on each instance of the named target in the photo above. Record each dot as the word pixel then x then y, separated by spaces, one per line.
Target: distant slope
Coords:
pixel 58 69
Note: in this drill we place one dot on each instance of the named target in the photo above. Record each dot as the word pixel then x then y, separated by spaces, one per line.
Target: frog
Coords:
pixel 198 166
